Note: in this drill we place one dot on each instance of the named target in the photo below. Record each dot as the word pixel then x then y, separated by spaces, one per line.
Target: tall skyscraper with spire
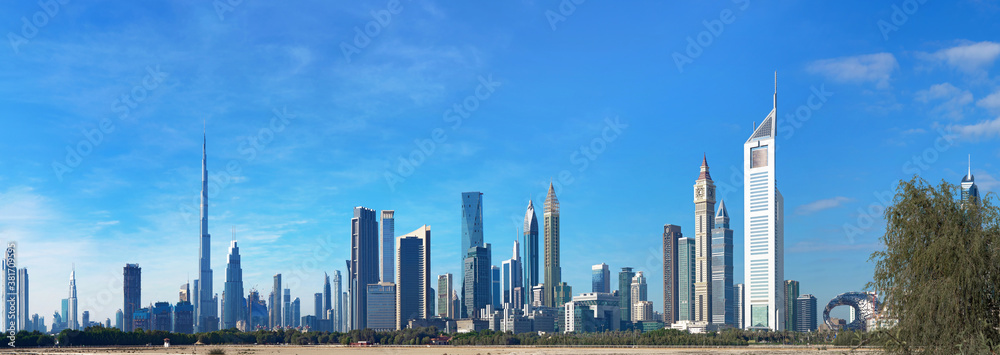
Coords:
pixel 206 317
pixel 233 301
pixel 704 217
pixel 530 253
pixel 72 321
pixel 723 308
pixel 472 237
pixel 763 228
pixel 970 192
pixel 553 272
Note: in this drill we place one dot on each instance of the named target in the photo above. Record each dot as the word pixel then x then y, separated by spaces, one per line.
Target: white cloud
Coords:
pixel 954 99
pixel 875 68
pixel 990 102
pixel 969 57
pixel 820 205
pixel 982 130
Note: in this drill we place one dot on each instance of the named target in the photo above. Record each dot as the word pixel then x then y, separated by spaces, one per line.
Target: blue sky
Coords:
pixel 300 132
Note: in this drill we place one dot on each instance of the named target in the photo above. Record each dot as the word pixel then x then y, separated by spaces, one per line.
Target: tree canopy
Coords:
pixel 939 273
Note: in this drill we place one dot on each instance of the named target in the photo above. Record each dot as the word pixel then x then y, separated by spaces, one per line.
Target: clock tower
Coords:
pixel 704 216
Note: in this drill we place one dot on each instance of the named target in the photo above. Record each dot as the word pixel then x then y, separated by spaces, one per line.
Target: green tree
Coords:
pixel 939 274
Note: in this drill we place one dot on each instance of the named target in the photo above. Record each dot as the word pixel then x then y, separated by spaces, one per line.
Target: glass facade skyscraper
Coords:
pixel 600 278
pixel 625 294
pixel 413 286
pixel 381 306
pixel 685 278
pixel 234 305
pixel 472 236
pixel 364 263
pixel 477 270
pixel 723 311
pixel 530 252
pixel 388 239
pixel 133 293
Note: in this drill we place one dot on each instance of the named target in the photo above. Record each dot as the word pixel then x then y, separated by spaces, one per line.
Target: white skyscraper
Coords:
pixel 763 228
pixel 72 321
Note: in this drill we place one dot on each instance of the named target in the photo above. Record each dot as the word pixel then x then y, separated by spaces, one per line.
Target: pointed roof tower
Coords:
pixel 704 169
pixel 968 177
pixel 722 212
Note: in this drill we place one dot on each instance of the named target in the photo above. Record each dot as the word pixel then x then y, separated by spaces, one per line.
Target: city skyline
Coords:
pixel 138 189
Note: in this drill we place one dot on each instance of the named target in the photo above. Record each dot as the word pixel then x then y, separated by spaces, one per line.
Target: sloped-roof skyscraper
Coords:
pixel 763 228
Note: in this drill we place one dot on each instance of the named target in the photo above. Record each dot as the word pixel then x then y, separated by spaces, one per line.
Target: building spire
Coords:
pixel 775 89
pixel 970 164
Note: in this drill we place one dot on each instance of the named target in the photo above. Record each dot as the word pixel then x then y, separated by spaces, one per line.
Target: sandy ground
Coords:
pixel 440 350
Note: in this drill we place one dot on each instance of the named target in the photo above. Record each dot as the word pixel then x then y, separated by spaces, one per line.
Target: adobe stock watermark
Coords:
pixel 425 148
pixel 248 149
pixel 900 15
pixel 222 7
pixel 39 19
pixel 916 165
pixel 11 291
pixel 713 29
pixel 788 124
pixel 363 35
pixel 565 9
pixel 93 138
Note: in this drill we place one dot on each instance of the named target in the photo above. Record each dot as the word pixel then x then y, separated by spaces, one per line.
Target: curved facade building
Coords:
pixel 865 303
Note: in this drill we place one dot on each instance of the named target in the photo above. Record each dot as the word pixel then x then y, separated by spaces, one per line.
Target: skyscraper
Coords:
pixel 388 238
pixel 295 316
pixel 553 272
pixel 530 252
pixel 133 293
pixel 704 215
pixel 206 317
pixel 318 306
pixel 327 301
pixel 495 296
pixel 364 263
pixel 970 192
pixel 671 234
pixel 381 306
pixel 722 269
pixel 625 293
pixel 286 307
pixel 185 294
pixel 338 303
pixel 791 293
pixel 600 277
pixel 512 279
pixel 685 278
pixel 477 281
pixel 72 322
pixel 763 226
pixel 638 288
pixel 23 317
pixel 120 320
pixel 444 305
pixel 233 302
pixel 472 236
pixel 274 318
pixel 805 313
pixel 739 303
pixel 413 284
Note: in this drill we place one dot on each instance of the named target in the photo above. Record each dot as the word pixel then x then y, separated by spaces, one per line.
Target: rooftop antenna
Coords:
pixel 970 165
pixel 775 89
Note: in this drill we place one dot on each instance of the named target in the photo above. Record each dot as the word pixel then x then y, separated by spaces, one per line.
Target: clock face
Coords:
pixel 699 192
